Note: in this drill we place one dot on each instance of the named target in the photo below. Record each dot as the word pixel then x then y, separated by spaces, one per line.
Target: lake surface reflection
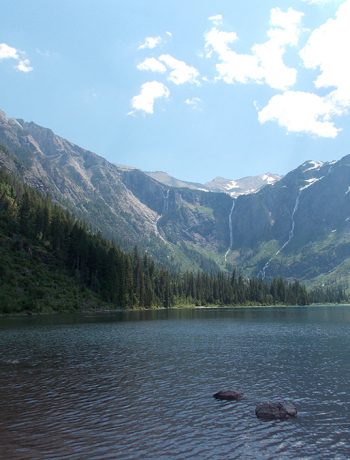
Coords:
pixel 139 385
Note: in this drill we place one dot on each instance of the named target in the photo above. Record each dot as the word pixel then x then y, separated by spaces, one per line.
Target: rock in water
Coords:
pixel 275 411
pixel 228 395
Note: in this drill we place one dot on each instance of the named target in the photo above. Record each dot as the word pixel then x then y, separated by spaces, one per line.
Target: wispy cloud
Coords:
pixel 180 72
pixel 322 2
pixel 150 91
pixel 151 43
pixel 194 103
pixel 22 62
pixel 217 19
pixel 151 65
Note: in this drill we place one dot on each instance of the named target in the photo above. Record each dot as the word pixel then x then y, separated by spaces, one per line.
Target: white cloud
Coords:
pixel 24 66
pixel 150 91
pixel 151 65
pixel 150 43
pixel 217 19
pixel 180 72
pixel 194 103
pixel 327 50
pixel 302 112
pixel 8 52
pixel 265 64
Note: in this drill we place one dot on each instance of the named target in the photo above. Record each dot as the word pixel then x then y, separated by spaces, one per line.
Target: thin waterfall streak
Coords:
pixel 290 236
pixel 166 202
pixel 230 229
pixel 165 210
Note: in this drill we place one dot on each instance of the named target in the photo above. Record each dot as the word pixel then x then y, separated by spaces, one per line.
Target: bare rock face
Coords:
pixel 275 411
pixel 228 395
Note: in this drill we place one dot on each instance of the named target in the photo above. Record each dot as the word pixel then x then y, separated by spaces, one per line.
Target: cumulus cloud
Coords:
pixel 265 63
pixel 8 52
pixel 326 51
pixel 180 72
pixel 150 91
pixel 301 112
pixel 152 65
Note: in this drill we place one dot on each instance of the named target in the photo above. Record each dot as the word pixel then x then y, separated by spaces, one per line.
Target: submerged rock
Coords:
pixel 228 395
pixel 275 411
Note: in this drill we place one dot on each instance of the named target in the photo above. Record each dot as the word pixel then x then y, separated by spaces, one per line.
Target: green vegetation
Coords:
pixel 50 261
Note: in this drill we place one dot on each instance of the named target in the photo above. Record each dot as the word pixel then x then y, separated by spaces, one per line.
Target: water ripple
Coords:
pixel 143 389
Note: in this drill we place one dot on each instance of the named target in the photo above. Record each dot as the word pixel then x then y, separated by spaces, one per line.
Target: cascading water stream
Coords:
pixel 166 202
pixel 230 229
pixel 165 210
pixel 290 236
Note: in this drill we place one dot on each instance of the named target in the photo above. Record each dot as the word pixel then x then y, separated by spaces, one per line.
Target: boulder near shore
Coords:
pixel 228 395
pixel 275 411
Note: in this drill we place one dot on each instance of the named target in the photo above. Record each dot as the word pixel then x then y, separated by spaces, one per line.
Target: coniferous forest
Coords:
pixel 50 261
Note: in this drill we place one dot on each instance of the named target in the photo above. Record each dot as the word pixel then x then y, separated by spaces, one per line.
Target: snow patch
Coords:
pixel 310 182
pixel 230 185
pixel 312 165
pixel 268 179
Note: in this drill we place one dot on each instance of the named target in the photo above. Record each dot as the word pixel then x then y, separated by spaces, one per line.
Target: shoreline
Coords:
pixel 109 311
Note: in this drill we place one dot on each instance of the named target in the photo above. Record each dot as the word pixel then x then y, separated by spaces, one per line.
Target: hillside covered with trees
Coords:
pixel 50 261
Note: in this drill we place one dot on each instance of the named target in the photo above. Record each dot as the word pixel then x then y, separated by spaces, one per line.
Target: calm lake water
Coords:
pixel 140 385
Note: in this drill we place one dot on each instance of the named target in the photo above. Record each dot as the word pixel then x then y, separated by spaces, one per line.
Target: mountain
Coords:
pixel 243 186
pixel 182 228
pixel 50 261
pixel 234 188
pixel 297 227
pixel 166 179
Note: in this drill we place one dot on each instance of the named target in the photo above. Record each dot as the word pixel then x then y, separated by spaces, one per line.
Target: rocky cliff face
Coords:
pixel 124 204
pixel 298 226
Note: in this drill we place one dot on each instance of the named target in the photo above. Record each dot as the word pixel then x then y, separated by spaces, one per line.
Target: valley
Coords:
pixel 296 226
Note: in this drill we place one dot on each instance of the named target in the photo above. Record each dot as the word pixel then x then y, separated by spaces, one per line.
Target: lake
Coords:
pixel 139 385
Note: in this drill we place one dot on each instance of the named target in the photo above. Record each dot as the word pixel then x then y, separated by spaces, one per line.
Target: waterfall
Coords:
pixel 165 210
pixel 230 229
pixel 166 202
pixel 290 235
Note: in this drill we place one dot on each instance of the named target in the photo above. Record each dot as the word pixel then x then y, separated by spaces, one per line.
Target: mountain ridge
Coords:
pixel 298 227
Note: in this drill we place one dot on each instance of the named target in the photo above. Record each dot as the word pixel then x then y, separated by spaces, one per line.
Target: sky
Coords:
pixel 196 88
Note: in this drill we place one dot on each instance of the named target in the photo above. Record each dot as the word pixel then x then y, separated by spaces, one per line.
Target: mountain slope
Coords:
pixel 297 227
pixel 234 188
pixel 112 202
pixel 243 186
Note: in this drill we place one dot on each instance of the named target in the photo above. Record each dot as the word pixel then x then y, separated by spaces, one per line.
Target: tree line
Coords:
pixel 30 222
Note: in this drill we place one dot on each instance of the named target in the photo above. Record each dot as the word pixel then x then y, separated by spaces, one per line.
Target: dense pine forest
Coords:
pixel 50 261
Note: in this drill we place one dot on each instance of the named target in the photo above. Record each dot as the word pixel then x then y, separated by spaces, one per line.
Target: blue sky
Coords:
pixel 196 88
